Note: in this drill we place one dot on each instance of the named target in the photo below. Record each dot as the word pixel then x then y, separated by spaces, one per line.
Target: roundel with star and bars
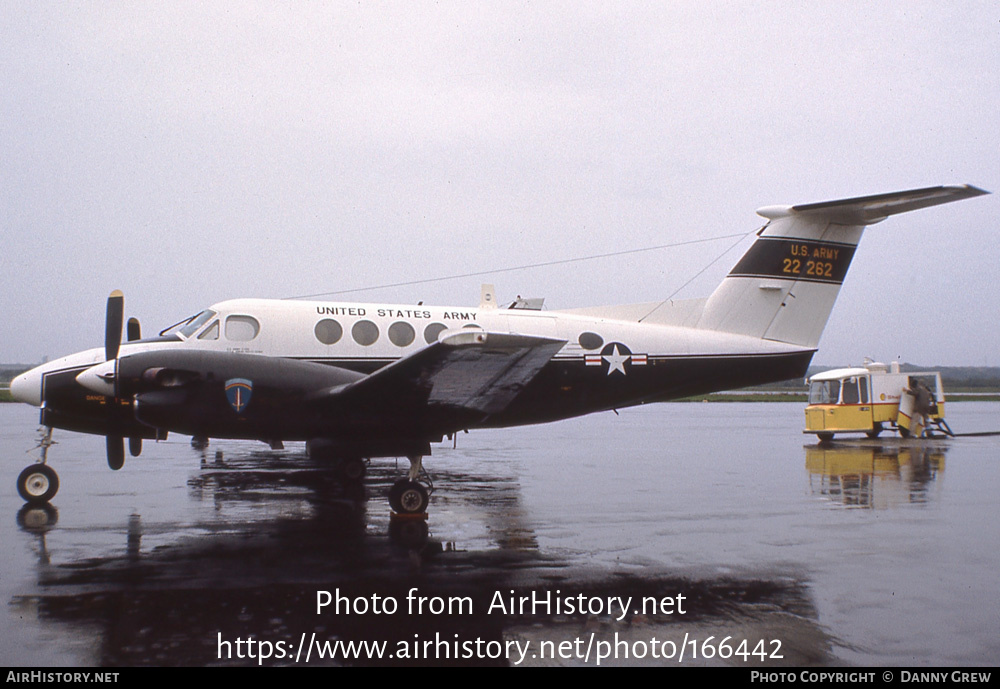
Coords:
pixel 615 359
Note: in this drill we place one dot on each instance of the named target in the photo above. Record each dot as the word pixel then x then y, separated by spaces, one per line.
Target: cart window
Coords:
pixel 851 391
pixel 824 392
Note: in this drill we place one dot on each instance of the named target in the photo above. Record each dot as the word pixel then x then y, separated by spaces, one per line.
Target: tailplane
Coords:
pixel 785 285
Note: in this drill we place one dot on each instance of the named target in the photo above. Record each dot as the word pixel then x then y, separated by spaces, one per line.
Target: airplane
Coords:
pixel 359 381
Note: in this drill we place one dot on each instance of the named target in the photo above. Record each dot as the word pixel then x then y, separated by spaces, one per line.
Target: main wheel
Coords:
pixel 353 469
pixel 410 533
pixel 38 483
pixel 408 497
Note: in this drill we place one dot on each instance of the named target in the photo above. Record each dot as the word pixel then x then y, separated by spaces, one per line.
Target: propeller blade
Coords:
pixel 135 446
pixel 116 451
pixel 113 324
pixel 132 330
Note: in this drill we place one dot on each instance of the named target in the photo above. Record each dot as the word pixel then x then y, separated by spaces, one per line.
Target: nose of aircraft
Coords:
pixel 27 387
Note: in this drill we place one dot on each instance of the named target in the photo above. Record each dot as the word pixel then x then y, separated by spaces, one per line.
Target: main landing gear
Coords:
pixel 352 469
pixel 39 483
pixel 409 496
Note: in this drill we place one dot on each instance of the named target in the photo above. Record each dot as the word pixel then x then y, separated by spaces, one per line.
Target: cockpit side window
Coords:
pixel 211 332
pixel 242 328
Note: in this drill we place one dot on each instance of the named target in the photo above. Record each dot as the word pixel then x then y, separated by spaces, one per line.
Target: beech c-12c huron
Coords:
pixel 360 381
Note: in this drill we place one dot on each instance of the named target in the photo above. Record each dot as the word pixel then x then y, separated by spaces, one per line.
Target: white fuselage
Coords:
pixel 367 336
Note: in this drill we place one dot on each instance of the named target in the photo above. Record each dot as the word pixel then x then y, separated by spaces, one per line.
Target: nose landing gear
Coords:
pixel 39 483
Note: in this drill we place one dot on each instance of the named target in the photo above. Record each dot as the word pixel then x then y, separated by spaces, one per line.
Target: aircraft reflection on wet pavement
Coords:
pixel 172 604
pixel 738 516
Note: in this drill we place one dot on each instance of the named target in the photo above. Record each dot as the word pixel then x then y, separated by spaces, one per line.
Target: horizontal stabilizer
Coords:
pixel 867 210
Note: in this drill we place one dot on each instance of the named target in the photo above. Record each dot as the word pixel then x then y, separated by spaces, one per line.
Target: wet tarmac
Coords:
pixel 716 532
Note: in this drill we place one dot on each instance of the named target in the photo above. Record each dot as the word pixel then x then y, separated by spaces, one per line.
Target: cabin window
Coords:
pixel 863 383
pixel 824 392
pixel 401 334
pixel 211 332
pixel 328 331
pixel 432 331
pixel 242 328
pixel 365 333
pixel 590 340
pixel 850 391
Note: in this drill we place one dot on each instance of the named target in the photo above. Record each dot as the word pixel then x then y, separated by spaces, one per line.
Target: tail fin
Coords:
pixel 785 286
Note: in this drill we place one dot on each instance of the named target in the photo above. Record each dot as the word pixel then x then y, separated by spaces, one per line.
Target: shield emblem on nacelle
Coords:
pixel 238 392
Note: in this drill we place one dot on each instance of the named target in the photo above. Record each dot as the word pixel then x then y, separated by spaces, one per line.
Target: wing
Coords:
pixel 468 370
pixel 449 385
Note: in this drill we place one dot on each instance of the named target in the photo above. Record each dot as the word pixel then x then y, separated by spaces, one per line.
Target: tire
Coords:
pixel 875 431
pixel 408 497
pixel 409 533
pixel 37 517
pixel 353 470
pixel 825 437
pixel 38 483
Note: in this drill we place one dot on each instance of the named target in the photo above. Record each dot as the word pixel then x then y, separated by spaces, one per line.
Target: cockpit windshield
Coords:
pixel 189 326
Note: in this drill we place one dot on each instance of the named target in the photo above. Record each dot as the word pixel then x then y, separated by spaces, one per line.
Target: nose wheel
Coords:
pixel 38 483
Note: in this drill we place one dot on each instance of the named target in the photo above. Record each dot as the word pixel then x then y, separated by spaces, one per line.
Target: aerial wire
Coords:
pixel 544 264
pixel 707 266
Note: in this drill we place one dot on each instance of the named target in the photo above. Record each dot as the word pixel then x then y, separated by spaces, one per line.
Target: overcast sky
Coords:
pixel 188 153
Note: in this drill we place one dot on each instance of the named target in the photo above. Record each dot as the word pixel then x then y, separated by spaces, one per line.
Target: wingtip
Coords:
pixel 969 189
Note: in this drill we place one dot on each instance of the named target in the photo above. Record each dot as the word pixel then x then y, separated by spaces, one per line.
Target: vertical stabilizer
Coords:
pixel 785 286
